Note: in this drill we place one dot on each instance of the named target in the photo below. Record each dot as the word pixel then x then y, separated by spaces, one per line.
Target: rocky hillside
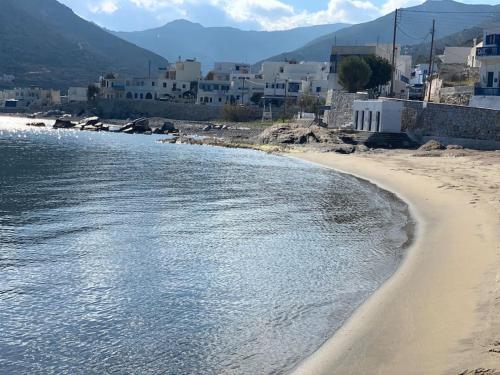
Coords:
pixel 44 43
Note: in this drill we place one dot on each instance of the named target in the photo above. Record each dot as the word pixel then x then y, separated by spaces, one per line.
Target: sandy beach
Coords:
pixel 440 312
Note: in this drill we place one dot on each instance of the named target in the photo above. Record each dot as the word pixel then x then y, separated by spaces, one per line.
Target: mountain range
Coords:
pixel 414 25
pixel 44 43
pixel 210 44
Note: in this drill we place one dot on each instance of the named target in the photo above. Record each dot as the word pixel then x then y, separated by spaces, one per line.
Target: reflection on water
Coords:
pixel 121 255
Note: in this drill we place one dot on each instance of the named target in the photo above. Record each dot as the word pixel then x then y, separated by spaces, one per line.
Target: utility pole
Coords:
pixel 284 103
pixel 242 90
pixel 394 51
pixel 430 60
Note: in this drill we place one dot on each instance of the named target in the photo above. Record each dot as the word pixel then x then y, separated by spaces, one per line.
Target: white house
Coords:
pixel 487 91
pixel 381 116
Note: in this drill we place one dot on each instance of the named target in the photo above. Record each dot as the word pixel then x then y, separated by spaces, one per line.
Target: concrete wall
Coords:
pixel 123 109
pixel 491 102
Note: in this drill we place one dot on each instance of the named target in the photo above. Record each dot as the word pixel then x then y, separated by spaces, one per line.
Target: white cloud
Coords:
pixel 106 6
pixel 269 14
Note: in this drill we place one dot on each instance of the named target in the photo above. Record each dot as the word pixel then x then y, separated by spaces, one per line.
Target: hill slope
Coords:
pixel 210 44
pixel 414 25
pixel 44 43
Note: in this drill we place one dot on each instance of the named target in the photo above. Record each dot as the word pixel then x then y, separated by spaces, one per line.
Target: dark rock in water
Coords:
pixel 160 126
pixel 127 130
pixel 63 124
pixel 91 120
pixel 36 124
pixel 432 145
pixel 141 124
pixel 207 128
pixel 169 140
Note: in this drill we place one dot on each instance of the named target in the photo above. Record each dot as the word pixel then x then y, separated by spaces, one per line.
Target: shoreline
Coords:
pixel 438 313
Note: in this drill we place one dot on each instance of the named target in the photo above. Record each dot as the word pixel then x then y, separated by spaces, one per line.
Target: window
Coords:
pixel 362 127
pixel 164 84
pixel 370 114
pixel 183 86
pixel 220 100
pixel 153 83
pixel 356 118
pixel 378 121
pixel 135 95
pixel 174 87
pixel 142 96
pixel 293 87
pixel 318 89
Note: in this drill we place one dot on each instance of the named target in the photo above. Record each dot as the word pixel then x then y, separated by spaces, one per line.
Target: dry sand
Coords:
pixel 440 312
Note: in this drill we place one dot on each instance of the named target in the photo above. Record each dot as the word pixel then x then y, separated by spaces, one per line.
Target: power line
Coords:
pixel 447 12
pixel 412 37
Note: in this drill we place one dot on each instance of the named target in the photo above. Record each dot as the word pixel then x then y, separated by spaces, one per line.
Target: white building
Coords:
pixel 487 91
pixel 381 116
pixel 77 94
pixel 239 88
pixel 30 96
pixel 292 80
pixel 176 83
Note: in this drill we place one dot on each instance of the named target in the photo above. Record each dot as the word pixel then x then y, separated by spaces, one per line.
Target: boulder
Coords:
pixel 90 120
pixel 432 145
pixel 63 124
pixel 454 147
pixel 295 134
pixel 207 128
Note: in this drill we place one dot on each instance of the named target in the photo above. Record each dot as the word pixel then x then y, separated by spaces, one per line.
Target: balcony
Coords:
pixel 487 91
pixel 487 51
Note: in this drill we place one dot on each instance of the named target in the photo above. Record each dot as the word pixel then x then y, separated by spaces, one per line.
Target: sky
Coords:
pixel 131 15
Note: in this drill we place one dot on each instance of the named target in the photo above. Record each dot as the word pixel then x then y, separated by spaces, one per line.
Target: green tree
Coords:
pixel 354 73
pixel 381 71
pixel 92 93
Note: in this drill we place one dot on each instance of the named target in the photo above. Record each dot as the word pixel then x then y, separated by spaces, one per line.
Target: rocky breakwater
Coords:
pixel 153 125
pixel 137 126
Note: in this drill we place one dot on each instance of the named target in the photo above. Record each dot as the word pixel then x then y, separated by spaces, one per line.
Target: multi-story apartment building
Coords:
pixel 230 83
pixel 487 90
pixel 176 82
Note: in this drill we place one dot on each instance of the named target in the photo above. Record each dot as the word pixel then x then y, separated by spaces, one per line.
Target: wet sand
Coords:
pixel 440 312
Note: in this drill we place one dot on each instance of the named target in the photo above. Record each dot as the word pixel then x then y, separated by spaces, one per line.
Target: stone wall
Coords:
pixel 340 113
pixel 123 109
pixel 459 95
pixel 422 119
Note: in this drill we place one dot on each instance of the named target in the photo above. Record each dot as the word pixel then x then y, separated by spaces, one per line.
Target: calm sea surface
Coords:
pixel 119 255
